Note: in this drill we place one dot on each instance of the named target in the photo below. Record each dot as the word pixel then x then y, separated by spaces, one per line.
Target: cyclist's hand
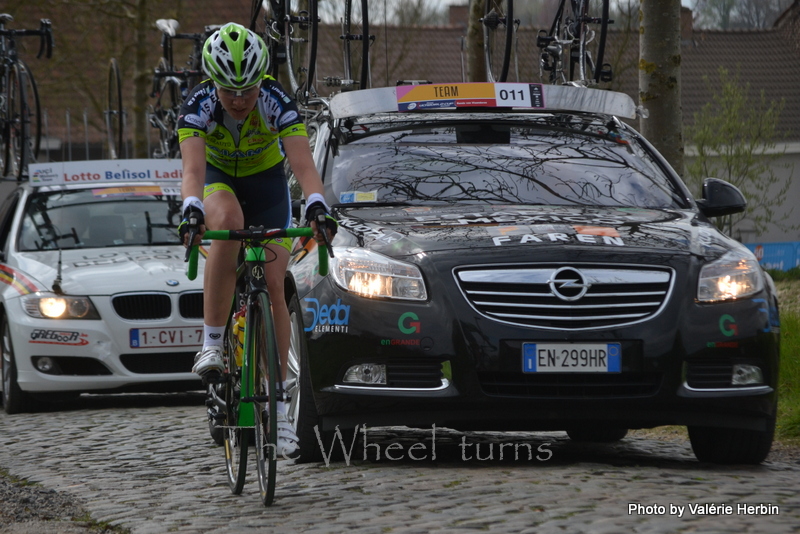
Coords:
pixel 193 223
pixel 317 216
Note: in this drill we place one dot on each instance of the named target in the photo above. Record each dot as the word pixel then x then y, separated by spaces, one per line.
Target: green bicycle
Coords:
pixel 241 399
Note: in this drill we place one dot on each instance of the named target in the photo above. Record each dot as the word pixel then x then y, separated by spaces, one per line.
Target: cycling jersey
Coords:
pixel 257 146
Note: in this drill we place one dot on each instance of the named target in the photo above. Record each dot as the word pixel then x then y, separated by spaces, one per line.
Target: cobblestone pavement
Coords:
pixel 148 465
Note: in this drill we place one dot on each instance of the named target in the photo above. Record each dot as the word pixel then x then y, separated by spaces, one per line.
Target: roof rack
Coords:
pixel 518 96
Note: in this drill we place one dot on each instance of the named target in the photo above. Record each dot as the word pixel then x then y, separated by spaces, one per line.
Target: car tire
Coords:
pixel 306 417
pixel 597 434
pixel 731 445
pixel 14 399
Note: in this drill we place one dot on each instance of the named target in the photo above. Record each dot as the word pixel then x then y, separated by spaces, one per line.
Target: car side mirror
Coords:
pixel 720 198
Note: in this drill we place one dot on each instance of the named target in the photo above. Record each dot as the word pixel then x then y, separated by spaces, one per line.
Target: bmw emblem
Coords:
pixel 172 283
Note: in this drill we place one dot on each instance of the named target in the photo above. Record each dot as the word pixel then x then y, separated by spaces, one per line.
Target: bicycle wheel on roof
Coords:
pixel 498 34
pixel 356 42
pixel 114 113
pixel 34 111
pixel 17 127
pixel 302 27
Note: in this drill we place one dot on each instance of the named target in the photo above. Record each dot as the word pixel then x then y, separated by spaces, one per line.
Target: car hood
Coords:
pixel 404 230
pixel 110 270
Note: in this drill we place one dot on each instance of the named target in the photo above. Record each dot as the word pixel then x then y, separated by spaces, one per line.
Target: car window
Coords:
pixel 89 218
pixel 490 162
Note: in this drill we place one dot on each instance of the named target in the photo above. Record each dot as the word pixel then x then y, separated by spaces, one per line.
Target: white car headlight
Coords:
pixel 370 274
pixel 733 276
pixel 45 306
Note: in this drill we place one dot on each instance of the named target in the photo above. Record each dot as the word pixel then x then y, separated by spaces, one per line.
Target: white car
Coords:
pixel 93 291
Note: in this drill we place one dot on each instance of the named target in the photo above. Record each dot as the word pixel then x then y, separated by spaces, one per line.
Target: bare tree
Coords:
pixel 738 14
pixel 476 66
pixel 659 77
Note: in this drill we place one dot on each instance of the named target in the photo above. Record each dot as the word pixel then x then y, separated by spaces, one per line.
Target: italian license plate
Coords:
pixel 186 336
pixel 571 357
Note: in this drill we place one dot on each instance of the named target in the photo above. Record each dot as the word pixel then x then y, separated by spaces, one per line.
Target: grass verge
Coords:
pixel 788 426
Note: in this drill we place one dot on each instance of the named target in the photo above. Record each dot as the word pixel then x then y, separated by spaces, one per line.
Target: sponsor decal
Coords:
pixel 288 117
pixel 558 236
pixel 114 257
pixel 58 337
pixel 409 323
pixel 194 120
pixel 350 197
pixel 328 318
pixel 401 342
pixel 727 325
pixel 722 345
pixel 16 281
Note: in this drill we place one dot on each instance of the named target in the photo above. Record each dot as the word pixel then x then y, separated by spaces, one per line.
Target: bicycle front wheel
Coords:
pixel 498 35
pixel 301 52
pixel 34 111
pixel 356 42
pixel 267 371
pixel 236 439
pixel 17 142
pixel 114 116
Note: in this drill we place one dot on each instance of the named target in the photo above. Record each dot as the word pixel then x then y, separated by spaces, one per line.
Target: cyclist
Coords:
pixel 234 130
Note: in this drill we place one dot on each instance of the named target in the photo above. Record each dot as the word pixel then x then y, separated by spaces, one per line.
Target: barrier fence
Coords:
pixel 778 256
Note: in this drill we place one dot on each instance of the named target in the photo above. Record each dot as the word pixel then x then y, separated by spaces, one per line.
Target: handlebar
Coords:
pixel 257 234
pixel 45 33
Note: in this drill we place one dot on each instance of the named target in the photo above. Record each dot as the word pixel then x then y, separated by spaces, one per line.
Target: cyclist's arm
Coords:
pixel 193 157
pixel 300 159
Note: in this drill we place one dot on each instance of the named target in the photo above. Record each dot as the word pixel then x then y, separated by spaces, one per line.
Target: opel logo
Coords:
pixel 568 284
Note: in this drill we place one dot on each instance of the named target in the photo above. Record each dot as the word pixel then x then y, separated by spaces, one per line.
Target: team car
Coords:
pixel 517 257
pixel 93 292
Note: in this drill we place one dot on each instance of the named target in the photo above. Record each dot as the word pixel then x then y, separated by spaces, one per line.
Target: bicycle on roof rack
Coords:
pixel 571 52
pixel 356 42
pixel 20 113
pixel 171 84
pixel 291 35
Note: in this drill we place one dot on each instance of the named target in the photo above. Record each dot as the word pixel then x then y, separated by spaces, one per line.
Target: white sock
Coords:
pixel 212 335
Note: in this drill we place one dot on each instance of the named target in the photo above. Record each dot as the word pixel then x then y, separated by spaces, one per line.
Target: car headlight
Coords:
pixel 733 276
pixel 59 307
pixel 370 274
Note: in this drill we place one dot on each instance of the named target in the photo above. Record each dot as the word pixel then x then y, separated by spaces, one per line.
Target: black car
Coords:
pixel 525 265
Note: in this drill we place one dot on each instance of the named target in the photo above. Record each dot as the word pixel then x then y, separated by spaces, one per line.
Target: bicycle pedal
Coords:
pixel 213 377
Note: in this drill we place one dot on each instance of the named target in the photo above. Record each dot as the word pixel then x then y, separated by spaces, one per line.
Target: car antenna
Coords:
pixel 57 282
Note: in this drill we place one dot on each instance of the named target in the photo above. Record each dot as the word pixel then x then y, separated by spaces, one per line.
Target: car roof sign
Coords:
pixel 104 172
pixel 518 96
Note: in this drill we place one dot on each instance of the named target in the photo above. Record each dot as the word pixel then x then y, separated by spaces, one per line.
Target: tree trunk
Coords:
pixel 659 78
pixel 476 64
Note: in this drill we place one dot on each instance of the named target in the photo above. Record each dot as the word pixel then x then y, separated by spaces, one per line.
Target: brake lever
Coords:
pixel 322 226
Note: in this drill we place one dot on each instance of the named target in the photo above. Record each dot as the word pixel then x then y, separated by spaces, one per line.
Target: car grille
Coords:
pixel 158 362
pixel 566 298
pixel 576 386
pixel 142 306
pixel 191 305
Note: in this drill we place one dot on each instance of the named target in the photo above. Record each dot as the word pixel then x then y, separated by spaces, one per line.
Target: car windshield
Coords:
pixel 97 218
pixel 499 162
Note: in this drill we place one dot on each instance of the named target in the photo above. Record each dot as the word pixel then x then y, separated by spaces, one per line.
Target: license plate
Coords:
pixel 186 336
pixel 571 358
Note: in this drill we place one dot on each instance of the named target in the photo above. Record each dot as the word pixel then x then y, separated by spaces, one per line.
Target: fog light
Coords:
pixel 47 365
pixel 747 375
pixel 366 373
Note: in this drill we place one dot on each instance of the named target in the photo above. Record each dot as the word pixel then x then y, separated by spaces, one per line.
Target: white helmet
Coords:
pixel 235 57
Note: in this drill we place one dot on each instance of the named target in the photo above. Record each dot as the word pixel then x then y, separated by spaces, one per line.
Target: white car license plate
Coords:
pixel 571 357
pixel 186 336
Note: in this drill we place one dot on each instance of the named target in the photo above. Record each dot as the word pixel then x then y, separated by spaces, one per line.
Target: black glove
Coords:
pixel 192 220
pixel 317 212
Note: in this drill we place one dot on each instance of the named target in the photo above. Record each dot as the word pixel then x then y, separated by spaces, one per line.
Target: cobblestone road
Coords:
pixel 148 464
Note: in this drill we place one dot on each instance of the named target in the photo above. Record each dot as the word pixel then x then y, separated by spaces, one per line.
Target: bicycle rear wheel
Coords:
pixel 236 439
pixel 17 128
pixel 264 346
pixel 114 113
pixel 355 29
pixel 301 52
pixel 498 34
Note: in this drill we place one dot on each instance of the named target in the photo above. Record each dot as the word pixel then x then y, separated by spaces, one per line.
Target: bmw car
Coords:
pixel 93 292
pixel 517 257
